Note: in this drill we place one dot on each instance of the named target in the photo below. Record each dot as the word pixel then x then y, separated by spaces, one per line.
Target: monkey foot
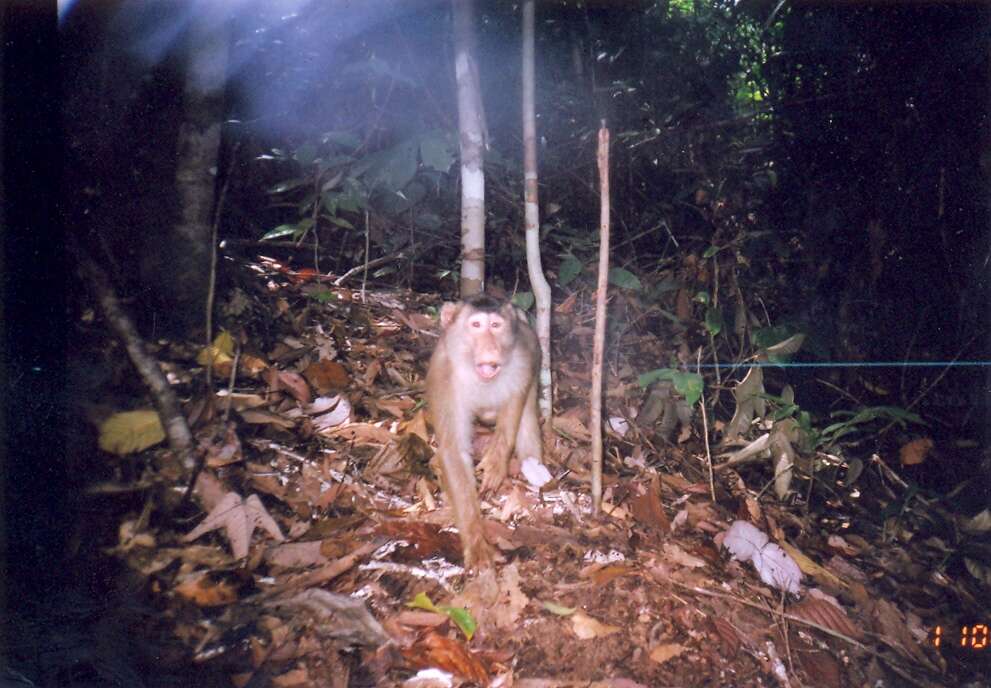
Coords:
pixel 479 555
pixel 493 472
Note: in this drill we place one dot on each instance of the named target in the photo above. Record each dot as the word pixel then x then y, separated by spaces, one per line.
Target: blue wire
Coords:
pixel 851 364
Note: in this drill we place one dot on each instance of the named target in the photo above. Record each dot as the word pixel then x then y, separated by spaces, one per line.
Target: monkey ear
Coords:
pixel 448 312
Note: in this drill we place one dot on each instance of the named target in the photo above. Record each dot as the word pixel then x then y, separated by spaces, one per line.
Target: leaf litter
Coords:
pixel 341 563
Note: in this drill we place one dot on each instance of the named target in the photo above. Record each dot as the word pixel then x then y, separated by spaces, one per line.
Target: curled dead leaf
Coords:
pixel 915 452
pixel 663 653
pixel 586 628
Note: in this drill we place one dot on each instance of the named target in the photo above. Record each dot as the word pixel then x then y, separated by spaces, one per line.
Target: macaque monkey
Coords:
pixel 485 366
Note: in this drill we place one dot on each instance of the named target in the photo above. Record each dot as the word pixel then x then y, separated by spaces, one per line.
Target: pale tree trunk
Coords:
pixel 198 150
pixel 471 123
pixel 541 290
pixel 599 339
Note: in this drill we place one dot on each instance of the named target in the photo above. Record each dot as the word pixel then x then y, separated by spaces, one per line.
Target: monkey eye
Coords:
pixel 495 324
pixel 476 324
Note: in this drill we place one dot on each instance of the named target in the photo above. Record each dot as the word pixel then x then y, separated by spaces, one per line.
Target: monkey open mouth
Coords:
pixel 487 371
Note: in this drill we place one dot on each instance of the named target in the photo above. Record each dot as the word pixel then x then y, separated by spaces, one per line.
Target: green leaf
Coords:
pixel 703 298
pixel 624 279
pixel 461 617
pixel 305 154
pixel 652 376
pixel 688 385
pixel 570 268
pixel 766 337
pixel 523 300
pixel 436 151
pixel 714 321
pixel 289 185
pixel 280 231
pixel 392 168
pixel 711 251
pixel 422 601
pixel 559 609
pixel 341 222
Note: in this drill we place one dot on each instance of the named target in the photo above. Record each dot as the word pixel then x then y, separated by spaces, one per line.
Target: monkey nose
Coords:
pixel 487 371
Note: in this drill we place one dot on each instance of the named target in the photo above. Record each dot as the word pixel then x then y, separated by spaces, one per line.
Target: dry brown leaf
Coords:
pixel 251 365
pixel 420 618
pixel 648 510
pixel 239 401
pixel 915 452
pixel 293 678
pixel 662 653
pixel 296 554
pixel 262 417
pixel 889 621
pixel 394 407
pixel 238 517
pixel 417 425
pixel 435 650
pixel 728 637
pixel 677 555
pixel 224 452
pixel 810 568
pixel 326 377
pixel 603 574
pixel 571 427
pixel 822 668
pixel 827 615
pixel 836 542
pixel 374 368
pixel 424 539
pixel 362 433
pixel 586 628
pixel 199 588
pixel 295 384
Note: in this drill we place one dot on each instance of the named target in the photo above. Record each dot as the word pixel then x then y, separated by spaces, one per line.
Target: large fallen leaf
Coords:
pixel 326 376
pixel 435 650
pixel 131 431
pixel 827 615
pixel 238 517
pixel 338 616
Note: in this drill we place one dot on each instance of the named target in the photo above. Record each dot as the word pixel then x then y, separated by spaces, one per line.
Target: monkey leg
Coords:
pixel 528 442
pixel 494 465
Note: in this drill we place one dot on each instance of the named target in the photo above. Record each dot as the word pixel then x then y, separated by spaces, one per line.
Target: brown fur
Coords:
pixel 485 366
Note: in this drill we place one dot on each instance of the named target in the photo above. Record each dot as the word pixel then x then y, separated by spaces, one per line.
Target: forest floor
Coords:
pixel 319 550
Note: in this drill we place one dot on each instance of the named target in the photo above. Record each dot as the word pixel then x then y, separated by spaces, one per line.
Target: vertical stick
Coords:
pixel 600 318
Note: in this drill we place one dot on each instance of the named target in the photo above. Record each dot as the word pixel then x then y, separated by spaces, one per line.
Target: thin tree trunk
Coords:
pixel 541 290
pixel 598 347
pixel 471 123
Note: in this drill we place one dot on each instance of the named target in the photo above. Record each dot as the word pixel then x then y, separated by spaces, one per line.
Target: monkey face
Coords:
pixel 491 339
pixel 485 335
